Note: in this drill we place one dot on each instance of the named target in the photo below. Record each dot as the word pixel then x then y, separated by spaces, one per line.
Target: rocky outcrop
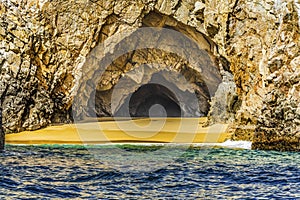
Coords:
pixel 251 48
pixel 271 52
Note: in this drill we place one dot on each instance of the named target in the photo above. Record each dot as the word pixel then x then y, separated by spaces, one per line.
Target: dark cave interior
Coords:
pixel 151 100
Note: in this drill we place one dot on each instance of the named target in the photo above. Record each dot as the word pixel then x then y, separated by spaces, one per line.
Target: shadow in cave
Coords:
pixel 150 100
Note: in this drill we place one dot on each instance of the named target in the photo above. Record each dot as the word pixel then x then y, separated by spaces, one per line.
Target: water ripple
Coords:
pixel 34 172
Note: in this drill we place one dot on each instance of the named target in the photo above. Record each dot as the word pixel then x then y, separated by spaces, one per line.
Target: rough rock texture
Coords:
pixel 44 46
pixel 269 54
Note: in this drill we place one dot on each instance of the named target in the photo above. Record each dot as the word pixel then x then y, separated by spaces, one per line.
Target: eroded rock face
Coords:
pixel 253 47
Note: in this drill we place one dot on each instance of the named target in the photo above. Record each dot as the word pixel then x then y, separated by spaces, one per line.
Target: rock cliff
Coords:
pixel 246 69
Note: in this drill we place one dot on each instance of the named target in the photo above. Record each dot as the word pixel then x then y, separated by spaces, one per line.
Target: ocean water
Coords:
pixel 201 172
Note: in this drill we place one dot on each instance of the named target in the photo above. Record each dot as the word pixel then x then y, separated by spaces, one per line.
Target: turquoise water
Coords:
pixel 35 172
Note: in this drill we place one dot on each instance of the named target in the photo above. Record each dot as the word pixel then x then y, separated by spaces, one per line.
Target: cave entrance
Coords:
pixel 162 45
pixel 151 100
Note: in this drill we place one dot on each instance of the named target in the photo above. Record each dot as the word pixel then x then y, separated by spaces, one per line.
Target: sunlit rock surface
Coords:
pixel 253 48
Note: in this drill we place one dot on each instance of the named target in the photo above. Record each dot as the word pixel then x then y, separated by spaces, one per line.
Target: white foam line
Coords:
pixel 226 144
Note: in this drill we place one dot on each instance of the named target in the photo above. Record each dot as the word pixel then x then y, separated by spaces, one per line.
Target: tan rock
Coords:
pixel 47 43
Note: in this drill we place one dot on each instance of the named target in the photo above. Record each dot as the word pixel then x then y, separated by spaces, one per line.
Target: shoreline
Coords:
pixel 227 144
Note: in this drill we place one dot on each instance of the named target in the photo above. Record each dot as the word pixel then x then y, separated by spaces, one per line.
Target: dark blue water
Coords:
pixel 32 172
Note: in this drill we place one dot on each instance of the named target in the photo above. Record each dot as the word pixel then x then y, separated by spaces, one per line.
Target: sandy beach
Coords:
pixel 154 130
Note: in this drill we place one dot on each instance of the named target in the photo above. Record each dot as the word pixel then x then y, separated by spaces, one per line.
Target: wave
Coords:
pixel 229 144
pixel 237 144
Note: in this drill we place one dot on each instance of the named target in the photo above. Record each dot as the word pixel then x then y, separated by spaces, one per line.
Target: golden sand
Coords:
pixel 150 130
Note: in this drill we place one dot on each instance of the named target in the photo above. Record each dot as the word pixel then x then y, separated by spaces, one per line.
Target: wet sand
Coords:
pixel 154 130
